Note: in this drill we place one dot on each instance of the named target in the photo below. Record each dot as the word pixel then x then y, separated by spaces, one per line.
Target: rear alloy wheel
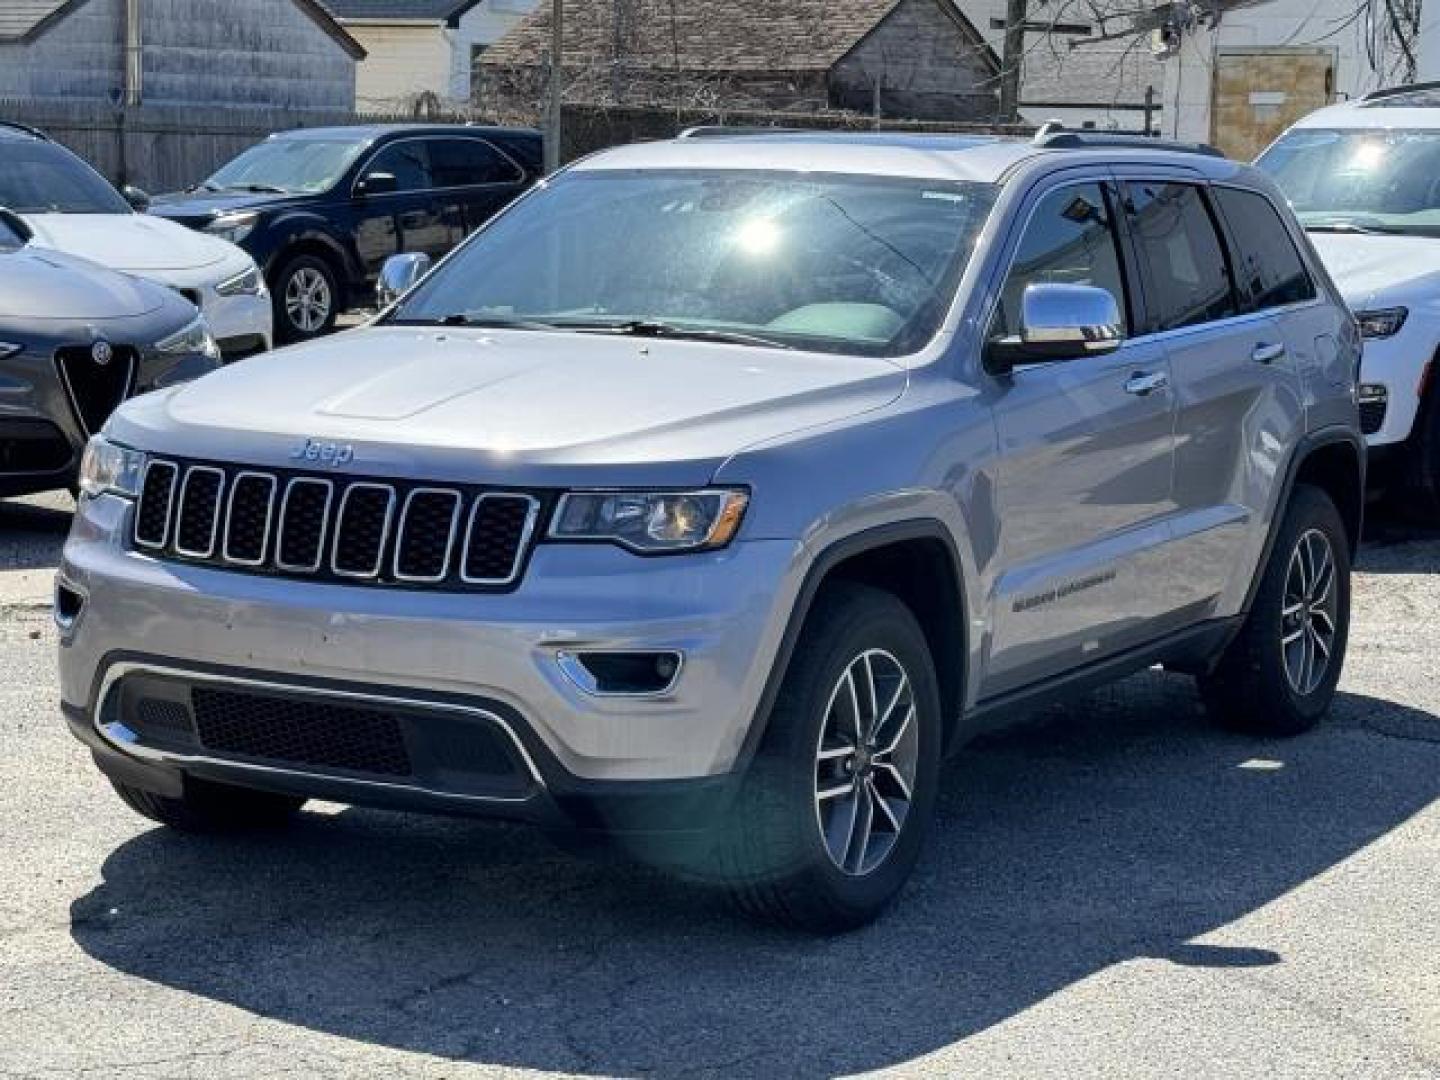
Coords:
pixel 1278 676
pixel 306 298
pixel 829 819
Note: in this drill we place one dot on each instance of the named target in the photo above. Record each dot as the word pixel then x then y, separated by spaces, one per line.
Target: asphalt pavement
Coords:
pixel 1112 888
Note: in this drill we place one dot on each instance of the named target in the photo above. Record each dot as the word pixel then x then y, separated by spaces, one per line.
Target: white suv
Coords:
pixel 70 207
pixel 1364 179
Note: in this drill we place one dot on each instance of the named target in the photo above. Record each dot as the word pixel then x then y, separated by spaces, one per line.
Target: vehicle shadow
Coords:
pixel 33 533
pixel 1119 827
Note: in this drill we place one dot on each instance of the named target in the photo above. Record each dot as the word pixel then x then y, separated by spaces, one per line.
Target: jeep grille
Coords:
pixel 369 531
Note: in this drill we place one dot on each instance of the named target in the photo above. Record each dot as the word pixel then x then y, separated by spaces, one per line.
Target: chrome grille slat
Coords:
pixel 340 558
pixel 242 480
pixel 183 520
pixel 527 530
pixel 401 552
pixel 367 530
pixel 151 507
pixel 302 483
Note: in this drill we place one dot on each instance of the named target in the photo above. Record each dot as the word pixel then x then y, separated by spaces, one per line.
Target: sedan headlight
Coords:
pixel 233 227
pixel 1382 322
pixel 195 339
pixel 110 467
pixel 247 283
pixel 652 522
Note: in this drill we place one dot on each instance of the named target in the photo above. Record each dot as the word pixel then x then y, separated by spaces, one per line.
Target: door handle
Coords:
pixel 1144 383
pixel 1267 354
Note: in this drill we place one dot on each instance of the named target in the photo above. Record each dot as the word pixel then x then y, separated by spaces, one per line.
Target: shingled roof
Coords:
pixel 707 35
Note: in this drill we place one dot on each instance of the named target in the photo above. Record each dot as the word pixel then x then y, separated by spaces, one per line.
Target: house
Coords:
pixel 1070 76
pixel 420 49
pixel 287 54
pixel 920 59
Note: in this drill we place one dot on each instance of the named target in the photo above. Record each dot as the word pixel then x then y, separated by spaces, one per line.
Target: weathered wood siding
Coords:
pixel 927 67
pixel 197 52
pixel 82 57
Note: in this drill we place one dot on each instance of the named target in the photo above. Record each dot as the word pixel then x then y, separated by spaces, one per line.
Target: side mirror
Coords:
pixel 1059 322
pixel 377 183
pixel 399 275
pixel 139 201
pixel 14 223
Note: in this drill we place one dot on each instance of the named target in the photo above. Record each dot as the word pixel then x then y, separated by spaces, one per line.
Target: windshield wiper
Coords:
pixel 484 322
pixel 258 189
pixel 657 328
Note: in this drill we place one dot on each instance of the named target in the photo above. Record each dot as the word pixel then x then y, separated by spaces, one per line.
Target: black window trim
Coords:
pixel 379 148
pixel 520 173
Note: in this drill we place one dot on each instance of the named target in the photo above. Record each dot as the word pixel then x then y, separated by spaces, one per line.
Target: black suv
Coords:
pixel 321 209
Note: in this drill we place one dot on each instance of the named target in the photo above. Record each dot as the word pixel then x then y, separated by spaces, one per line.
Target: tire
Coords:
pixel 1260 684
pixel 1421 502
pixel 772 855
pixel 303 283
pixel 210 808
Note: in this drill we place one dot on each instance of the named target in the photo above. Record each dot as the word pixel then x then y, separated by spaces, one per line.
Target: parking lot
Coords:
pixel 1111 887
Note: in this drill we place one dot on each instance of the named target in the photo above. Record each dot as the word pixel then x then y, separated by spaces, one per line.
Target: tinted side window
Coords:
pixel 1181 260
pixel 407 161
pixel 1268 268
pixel 458 162
pixel 1070 240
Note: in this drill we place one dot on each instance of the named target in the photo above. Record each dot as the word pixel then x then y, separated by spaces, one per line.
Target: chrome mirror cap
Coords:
pixel 1070 319
pixel 399 274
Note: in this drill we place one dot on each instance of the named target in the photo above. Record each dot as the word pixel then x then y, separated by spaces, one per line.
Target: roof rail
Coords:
pixel 15 125
pixel 722 131
pixel 1392 91
pixel 1053 136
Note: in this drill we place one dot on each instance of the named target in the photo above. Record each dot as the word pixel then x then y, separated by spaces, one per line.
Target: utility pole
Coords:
pixel 1012 60
pixel 557 85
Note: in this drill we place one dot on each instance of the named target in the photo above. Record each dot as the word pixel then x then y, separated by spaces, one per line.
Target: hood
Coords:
pixel 40 285
pixel 133 243
pixel 525 406
pixel 1372 271
pixel 201 205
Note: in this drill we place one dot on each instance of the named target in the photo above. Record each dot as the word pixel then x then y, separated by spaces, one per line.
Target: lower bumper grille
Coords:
pixel 299 732
pixel 1372 416
pixel 465 751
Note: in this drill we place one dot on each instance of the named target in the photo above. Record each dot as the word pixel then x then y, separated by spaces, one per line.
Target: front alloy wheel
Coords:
pixel 866 762
pixel 308 300
pixel 830 817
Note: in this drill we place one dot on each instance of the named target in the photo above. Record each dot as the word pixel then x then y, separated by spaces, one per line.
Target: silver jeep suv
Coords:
pixel 713 493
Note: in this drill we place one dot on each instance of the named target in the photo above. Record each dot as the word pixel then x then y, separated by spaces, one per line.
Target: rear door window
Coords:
pixel 463 162
pixel 1182 261
pixel 1268 268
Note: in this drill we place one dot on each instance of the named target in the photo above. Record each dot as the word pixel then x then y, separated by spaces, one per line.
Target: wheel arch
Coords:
pixel 904 558
pixel 1332 460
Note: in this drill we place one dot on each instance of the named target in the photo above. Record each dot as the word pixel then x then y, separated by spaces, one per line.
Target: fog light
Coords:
pixel 622 674
pixel 1373 393
pixel 68 605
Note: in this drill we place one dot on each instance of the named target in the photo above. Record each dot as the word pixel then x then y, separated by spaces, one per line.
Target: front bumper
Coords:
pixel 1399 365
pixel 499 654
pixel 242 325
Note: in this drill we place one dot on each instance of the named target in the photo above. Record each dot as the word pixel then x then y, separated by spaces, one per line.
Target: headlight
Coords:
pixel 652 522
pixel 233 227
pixel 107 466
pixel 248 283
pixel 195 339
pixel 7 349
pixel 1382 322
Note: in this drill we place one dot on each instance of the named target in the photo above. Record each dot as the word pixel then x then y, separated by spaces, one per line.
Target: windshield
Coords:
pixel 1361 180
pixel 288 165
pixel 42 178
pixel 843 264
